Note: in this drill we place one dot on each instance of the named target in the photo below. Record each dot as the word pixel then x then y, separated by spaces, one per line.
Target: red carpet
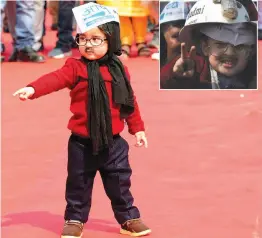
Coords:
pixel 199 178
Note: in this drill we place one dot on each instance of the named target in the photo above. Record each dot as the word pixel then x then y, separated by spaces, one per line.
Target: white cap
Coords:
pixel 206 12
pixel 173 11
pixel 91 15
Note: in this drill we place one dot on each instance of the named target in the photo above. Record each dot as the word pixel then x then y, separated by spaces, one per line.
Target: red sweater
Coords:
pixel 168 80
pixel 201 79
pixel 66 78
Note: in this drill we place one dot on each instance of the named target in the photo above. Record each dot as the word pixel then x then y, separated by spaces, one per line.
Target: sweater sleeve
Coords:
pixel 166 71
pixel 55 81
pixel 134 121
pixel 169 81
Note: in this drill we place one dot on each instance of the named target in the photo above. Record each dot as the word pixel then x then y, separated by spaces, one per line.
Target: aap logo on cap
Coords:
pixel 173 11
pixel 91 15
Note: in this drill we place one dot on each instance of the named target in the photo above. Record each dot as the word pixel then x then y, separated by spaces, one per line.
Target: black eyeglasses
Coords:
pixel 94 41
pixel 218 49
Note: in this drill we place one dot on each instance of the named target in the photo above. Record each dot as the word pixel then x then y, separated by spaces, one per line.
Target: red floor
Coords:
pixel 199 178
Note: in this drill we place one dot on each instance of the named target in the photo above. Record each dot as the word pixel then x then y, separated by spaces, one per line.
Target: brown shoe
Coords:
pixel 72 229
pixel 134 227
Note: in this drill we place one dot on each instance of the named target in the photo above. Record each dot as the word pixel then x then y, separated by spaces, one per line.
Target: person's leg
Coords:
pixel 10 11
pixel 153 7
pixel 126 35
pixel 74 25
pixel 25 15
pixel 53 10
pixel 39 25
pixel 65 29
pixel 21 16
pixel 44 21
pixel 116 173
pixel 140 28
pixel 81 170
pixel 5 24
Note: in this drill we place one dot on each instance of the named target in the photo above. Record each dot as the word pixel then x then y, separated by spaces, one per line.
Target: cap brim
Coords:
pixel 187 36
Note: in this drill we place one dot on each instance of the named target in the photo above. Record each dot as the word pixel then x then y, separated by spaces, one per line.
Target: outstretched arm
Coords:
pixel 51 82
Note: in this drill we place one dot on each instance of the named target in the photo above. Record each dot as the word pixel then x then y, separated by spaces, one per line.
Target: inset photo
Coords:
pixel 208 44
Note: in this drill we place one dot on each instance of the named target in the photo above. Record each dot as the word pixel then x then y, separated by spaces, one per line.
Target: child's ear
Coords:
pixel 205 48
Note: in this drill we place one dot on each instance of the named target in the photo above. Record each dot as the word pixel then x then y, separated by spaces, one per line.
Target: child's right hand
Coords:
pixel 25 93
pixel 185 65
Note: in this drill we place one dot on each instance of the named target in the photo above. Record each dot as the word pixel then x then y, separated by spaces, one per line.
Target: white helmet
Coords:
pixel 174 11
pixel 206 12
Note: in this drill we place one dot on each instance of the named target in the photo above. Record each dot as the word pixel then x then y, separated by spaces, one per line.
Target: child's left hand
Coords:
pixel 141 139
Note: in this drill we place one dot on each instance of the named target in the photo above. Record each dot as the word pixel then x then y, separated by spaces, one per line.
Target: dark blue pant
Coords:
pixel 115 171
pixel 65 24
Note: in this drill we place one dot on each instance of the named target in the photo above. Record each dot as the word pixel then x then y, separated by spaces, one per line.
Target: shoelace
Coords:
pixel 132 221
pixel 76 223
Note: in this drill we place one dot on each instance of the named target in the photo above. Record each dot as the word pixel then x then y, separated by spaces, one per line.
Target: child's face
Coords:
pixel 225 58
pixel 171 36
pixel 93 44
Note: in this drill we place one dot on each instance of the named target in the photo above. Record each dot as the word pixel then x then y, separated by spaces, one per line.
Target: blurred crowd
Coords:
pixel 25 21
